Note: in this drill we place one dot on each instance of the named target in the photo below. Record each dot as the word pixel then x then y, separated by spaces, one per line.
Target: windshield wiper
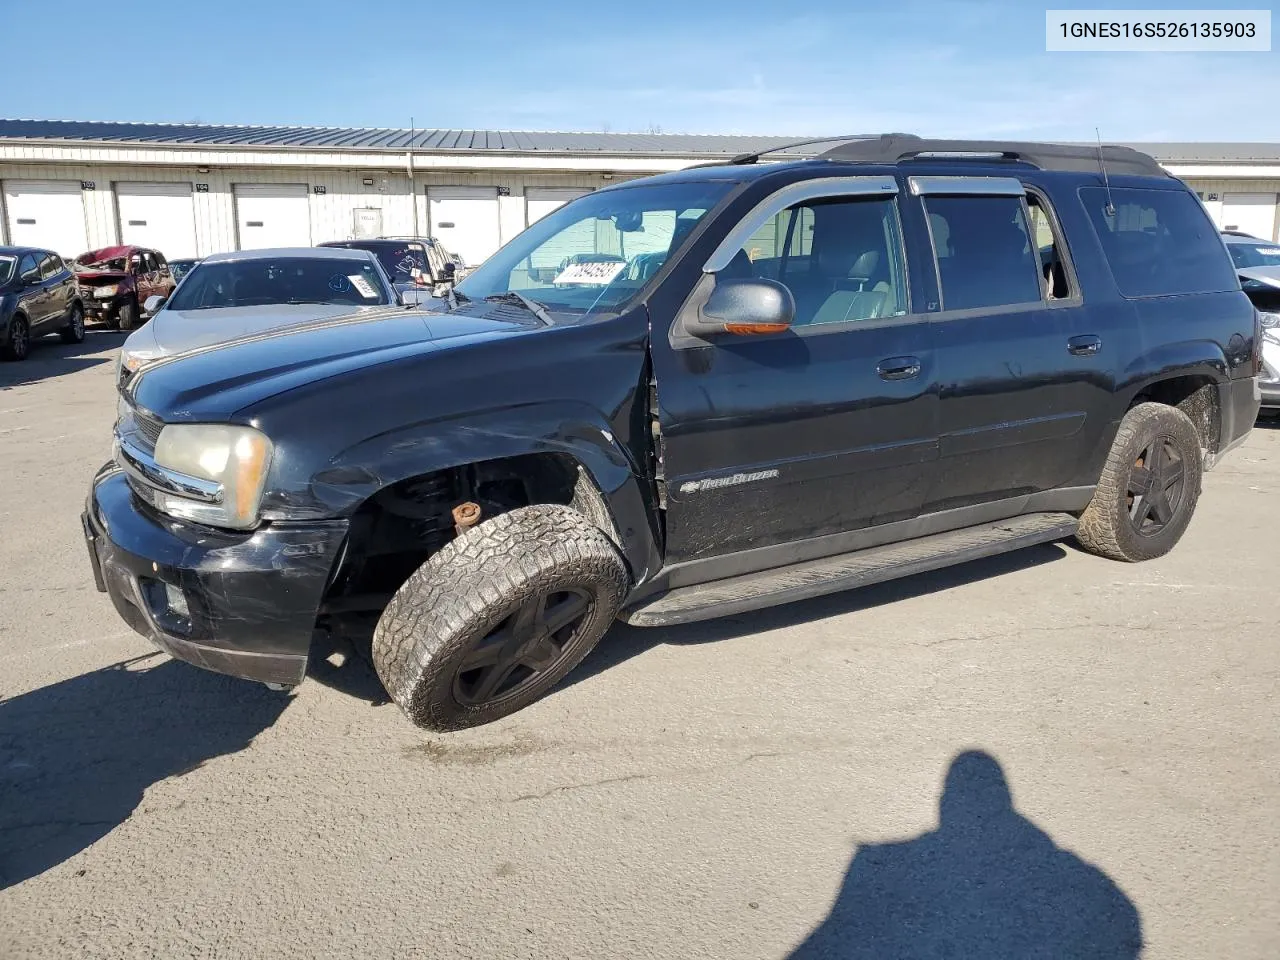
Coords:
pixel 533 306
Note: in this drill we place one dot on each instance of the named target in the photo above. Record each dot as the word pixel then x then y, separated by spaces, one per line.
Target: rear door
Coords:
pixel 32 298
pixel 1023 378
pixel 53 281
pixel 826 428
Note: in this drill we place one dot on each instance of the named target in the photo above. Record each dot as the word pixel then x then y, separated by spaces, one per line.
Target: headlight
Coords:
pixel 103 293
pixel 234 458
pixel 1270 321
pixel 131 360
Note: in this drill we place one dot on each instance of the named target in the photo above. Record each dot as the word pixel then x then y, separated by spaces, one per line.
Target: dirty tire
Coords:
pixel 17 341
pixel 473 589
pixel 127 318
pixel 1105 527
pixel 73 332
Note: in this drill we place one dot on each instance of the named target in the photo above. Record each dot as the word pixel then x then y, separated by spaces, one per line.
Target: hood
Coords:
pixel 214 382
pixel 1268 275
pixel 176 331
pixel 83 275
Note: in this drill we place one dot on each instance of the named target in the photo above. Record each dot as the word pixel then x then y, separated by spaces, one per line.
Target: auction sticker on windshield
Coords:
pixel 590 273
pixel 363 287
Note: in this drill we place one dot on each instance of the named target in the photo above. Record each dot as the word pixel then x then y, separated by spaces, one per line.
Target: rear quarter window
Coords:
pixel 1159 243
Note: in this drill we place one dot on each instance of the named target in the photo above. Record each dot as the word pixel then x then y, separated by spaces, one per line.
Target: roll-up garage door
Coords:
pixel 272 215
pixel 48 214
pixel 159 216
pixel 465 220
pixel 1254 213
pixel 540 201
pixel 549 258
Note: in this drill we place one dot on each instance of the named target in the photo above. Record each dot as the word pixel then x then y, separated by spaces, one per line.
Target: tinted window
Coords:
pixel 28 269
pixel 160 261
pixel 49 267
pixel 1159 242
pixel 1254 254
pixel 399 259
pixel 841 259
pixel 984 254
pixel 6 267
pixel 253 283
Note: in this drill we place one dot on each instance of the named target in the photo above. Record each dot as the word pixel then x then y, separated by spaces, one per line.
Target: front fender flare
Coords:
pixel 569 429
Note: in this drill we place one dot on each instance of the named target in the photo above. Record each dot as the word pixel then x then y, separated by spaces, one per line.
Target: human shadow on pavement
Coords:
pixel 987 883
pixel 76 756
pixel 623 642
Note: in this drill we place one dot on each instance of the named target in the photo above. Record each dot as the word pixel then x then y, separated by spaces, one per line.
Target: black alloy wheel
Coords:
pixel 536 638
pixel 1155 487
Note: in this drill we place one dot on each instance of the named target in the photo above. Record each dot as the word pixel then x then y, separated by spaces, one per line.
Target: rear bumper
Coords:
pixel 240 604
pixel 1238 405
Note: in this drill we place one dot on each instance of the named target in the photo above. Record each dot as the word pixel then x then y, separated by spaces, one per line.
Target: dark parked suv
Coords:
pixel 900 355
pixel 38 295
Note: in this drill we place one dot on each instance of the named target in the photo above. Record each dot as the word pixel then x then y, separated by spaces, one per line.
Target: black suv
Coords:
pixel 409 261
pixel 38 295
pixel 786 379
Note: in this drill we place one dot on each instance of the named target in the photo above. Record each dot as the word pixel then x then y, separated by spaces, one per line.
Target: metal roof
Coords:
pixel 381 138
pixel 501 141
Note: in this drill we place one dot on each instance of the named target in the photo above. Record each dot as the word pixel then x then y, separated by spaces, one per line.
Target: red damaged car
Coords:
pixel 115 281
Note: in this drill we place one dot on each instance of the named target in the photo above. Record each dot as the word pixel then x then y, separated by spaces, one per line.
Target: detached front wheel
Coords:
pixel 497 617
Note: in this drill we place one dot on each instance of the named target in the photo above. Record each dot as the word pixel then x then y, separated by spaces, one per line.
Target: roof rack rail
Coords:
pixel 747 158
pixel 1077 158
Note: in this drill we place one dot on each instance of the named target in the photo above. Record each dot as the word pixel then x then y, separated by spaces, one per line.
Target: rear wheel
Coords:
pixel 127 318
pixel 1148 489
pixel 17 341
pixel 73 332
pixel 498 616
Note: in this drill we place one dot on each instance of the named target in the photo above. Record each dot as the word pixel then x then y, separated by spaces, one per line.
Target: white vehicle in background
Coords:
pixel 1257 263
pixel 229 296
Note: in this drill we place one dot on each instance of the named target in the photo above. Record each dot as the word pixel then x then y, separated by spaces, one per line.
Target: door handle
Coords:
pixel 898 368
pixel 1084 346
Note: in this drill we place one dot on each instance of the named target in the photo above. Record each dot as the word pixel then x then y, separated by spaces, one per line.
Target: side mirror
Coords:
pixel 448 272
pixel 153 303
pixel 744 307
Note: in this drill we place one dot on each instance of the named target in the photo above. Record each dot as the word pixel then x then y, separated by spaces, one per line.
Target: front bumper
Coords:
pixel 1269 380
pixel 250 599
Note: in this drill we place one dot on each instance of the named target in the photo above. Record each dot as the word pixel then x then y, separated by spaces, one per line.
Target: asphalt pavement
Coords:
pixel 1044 754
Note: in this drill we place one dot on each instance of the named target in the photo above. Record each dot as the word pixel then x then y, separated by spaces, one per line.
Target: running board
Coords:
pixel 813 578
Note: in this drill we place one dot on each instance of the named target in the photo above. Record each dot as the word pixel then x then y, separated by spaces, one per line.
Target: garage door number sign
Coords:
pixel 88 185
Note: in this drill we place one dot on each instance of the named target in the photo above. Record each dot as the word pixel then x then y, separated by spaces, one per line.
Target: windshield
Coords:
pixel 398 259
pixel 597 252
pixel 1254 254
pixel 255 283
pixel 6 268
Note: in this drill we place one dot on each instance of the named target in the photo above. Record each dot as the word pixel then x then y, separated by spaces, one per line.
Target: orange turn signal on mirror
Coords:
pixel 747 329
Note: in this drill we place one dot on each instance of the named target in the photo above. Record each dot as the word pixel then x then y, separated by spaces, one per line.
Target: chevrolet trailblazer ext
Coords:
pixel 686 396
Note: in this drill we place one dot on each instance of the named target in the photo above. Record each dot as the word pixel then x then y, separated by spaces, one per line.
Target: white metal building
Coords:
pixel 193 189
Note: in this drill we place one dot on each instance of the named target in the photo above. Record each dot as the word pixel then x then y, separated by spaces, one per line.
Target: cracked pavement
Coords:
pixel 689 792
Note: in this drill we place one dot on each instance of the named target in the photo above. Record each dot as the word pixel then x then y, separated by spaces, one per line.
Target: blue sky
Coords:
pixel 961 68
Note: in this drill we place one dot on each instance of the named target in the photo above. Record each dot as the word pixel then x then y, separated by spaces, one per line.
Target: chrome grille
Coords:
pixel 147 426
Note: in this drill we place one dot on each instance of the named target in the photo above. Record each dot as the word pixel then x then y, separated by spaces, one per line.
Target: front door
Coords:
pixel 823 429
